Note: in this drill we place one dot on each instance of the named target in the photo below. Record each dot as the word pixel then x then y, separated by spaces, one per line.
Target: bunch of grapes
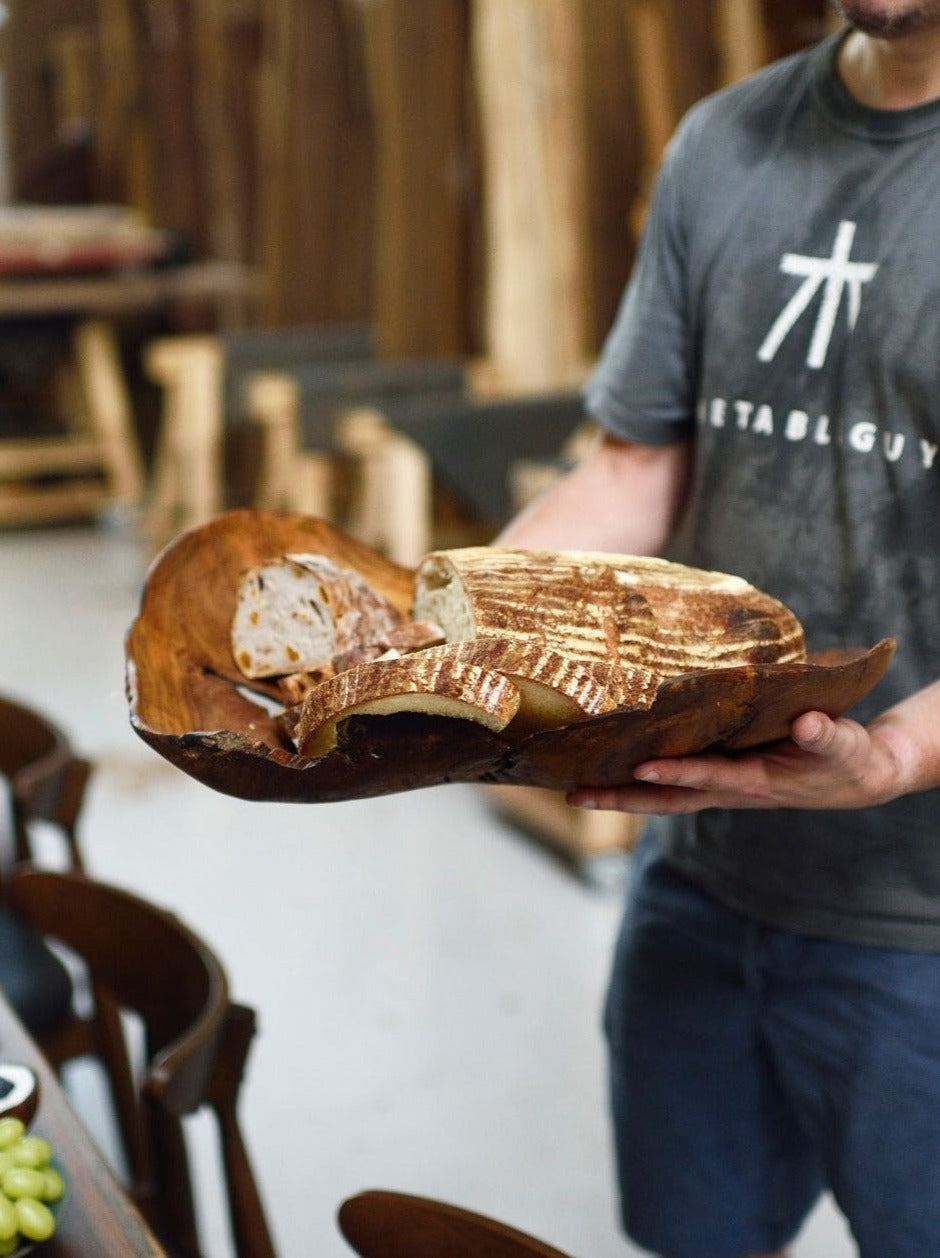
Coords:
pixel 29 1185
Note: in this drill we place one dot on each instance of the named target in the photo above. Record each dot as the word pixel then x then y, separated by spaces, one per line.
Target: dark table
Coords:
pixel 97 1217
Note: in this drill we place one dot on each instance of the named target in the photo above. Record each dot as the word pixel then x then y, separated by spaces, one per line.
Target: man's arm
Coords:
pixel 623 498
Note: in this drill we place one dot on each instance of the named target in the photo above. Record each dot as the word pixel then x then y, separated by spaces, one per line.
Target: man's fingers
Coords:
pixel 821 736
pixel 636 799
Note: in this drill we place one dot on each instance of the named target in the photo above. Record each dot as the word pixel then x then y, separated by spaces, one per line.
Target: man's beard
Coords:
pixel 879 18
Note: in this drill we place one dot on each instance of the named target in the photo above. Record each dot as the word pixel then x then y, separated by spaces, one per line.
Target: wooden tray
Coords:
pixel 189 702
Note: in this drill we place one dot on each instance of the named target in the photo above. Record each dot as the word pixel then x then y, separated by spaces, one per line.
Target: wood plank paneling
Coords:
pixel 424 176
pixel 315 177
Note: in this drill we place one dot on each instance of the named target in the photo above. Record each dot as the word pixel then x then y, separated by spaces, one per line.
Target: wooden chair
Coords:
pixel 381 1224
pixel 146 968
pixel 46 776
pixel 46 781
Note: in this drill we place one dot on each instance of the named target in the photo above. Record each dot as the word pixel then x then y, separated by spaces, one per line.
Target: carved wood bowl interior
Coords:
pixel 190 703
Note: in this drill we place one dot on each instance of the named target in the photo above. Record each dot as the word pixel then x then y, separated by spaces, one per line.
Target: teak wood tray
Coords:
pixel 190 703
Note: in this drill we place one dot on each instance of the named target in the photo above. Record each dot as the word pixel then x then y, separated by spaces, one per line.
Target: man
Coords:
pixel 771 400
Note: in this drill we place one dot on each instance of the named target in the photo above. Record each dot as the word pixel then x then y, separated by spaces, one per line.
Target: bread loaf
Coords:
pixel 633 611
pixel 297 613
pixel 434 681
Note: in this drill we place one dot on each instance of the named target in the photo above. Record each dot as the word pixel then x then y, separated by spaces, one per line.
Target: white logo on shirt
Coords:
pixel 833 275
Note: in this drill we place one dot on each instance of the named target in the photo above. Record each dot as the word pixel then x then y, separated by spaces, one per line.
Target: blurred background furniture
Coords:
pixel 143 961
pixel 301 403
pixel 382 1224
pixel 88 460
pixel 45 782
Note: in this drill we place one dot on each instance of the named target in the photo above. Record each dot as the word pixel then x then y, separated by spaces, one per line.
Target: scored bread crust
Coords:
pixel 432 681
pixel 296 613
pixel 636 611
pixel 511 687
pixel 554 688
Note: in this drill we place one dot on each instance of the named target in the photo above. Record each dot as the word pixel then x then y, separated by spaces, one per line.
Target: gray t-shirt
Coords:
pixel 785 310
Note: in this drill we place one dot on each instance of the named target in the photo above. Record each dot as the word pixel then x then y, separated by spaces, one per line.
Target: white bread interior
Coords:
pixel 296 613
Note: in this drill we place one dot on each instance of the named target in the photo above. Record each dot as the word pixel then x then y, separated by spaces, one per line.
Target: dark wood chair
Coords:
pixel 382 1224
pixel 147 970
pixel 47 778
pixel 45 783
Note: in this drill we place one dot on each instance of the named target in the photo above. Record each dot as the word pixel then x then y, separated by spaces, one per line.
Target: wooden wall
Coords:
pixel 464 175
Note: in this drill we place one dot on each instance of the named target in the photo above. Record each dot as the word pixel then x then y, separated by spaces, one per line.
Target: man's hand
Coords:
pixel 825 763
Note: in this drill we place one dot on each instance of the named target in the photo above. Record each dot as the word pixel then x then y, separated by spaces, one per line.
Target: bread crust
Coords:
pixel 634 611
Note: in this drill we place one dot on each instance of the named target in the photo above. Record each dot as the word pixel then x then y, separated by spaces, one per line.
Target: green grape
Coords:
pixel 54 1184
pixel 28 1182
pixel 8 1222
pixel 36 1221
pixel 32 1151
pixel 22 1181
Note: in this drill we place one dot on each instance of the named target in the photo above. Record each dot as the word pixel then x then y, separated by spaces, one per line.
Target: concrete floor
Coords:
pixel 428 982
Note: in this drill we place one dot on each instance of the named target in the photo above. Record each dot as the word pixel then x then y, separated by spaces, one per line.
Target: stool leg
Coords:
pixel 290 477
pixel 188 479
pixel 273 403
pixel 109 410
pixel 393 506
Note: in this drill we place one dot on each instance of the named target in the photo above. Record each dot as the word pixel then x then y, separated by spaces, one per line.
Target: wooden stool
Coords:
pixel 327 424
pixel 289 478
pixel 391 505
pixel 187 483
pixel 97 466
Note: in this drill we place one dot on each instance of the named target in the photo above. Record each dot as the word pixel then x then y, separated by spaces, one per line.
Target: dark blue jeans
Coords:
pixel 752 1068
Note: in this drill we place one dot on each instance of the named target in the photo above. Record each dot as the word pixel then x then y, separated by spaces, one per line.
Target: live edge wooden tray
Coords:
pixel 189 702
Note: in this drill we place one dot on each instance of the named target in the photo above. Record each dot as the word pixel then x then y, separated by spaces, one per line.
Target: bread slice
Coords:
pixel 633 611
pixel 511 687
pixel 555 689
pixel 432 681
pixel 296 613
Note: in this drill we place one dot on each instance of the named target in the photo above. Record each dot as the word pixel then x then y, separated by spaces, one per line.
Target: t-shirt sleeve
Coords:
pixel 642 388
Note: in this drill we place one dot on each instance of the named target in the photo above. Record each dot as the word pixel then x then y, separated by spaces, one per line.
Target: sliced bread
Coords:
pixel 297 613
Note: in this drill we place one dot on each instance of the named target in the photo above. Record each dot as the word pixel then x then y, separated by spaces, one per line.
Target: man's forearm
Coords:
pixel 622 498
pixel 911 729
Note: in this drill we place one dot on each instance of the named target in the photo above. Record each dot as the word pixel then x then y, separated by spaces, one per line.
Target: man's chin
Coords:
pixel 889 19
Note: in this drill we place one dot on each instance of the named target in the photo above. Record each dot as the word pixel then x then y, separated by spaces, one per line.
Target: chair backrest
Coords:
pixel 143 960
pixel 381 1224
pixel 47 778
pixel 45 781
